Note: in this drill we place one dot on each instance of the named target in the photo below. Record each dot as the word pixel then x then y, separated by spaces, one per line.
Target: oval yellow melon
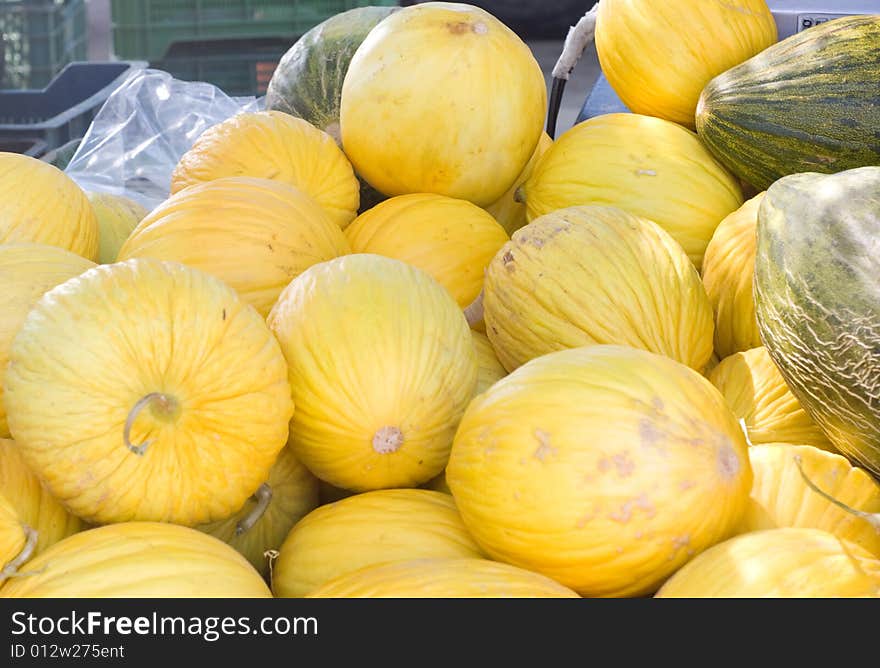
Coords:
pixel 117 216
pixel 778 563
pixel 138 560
pixel 658 56
pixel 507 210
pixel 289 494
pixel 728 273
pixel 147 390
pixel 32 501
pixel 451 239
pixel 254 234
pixel 489 368
pixel 605 468
pixel 41 204
pixel 442 98
pixel 274 145
pixel 368 529
pixel 16 539
pixel 26 272
pixel 442 578
pixel 650 167
pixel 381 367
pixel 782 498
pixel 595 275
pixel 753 387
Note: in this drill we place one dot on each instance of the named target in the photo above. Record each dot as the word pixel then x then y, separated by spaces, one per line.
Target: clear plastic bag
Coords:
pixel 142 130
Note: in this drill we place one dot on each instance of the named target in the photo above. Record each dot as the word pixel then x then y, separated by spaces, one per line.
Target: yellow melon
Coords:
pixel 41 204
pixel 117 216
pixel 442 578
pixel 728 274
pixel 381 367
pixel 274 145
pixel 442 98
pixel 508 210
pixel 32 501
pixel 138 560
pixel 756 391
pixel 595 275
pixel 17 539
pixel 605 468
pixel 778 563
pixel 147 390
pixel 782 497
pixel 26 272
pixel 368 529
pixel 254 234
pixel 658 56
pixel 650 167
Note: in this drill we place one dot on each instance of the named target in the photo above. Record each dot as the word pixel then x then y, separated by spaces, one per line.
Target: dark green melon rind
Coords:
pixel 810 103
pixel 817 300
pixel 308 80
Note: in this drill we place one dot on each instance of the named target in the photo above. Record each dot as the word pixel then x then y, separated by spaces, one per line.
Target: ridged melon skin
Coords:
pixel 808 103
pixel 817 301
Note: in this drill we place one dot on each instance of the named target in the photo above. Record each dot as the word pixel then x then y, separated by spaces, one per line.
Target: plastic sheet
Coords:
pixel 146 125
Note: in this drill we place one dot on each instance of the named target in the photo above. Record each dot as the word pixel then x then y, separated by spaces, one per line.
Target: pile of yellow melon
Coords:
pixel 532 370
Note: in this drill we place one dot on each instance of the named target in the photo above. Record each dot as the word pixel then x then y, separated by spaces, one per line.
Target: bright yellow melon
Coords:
pixel 289 494
pixel 41 204
pixel 652 168
pixel 753 387
pixel 138 560
pixel 17 539
pixel 728 273
pixel 451 239
pixel 507 210
pixel 274 145
pixel 595 275
pixel 381 367
pixel 32 501
pixel 489 368
pixel 117 217
pixel 778 563
pixel 781 497
pixel 26 272
pixel 442 98
pixel 254 234
pixel 147 390
pixel 658 56
pixel 442 578
pixel 368 529
pixel 605 468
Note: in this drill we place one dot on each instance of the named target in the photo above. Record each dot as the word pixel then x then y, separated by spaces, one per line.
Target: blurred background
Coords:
pixel 234 44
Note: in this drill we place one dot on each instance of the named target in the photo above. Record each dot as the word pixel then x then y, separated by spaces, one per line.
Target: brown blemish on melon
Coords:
pixel 544 448
pixel 624 465
pixel 458 27
pixel 387 440
pixel 728 462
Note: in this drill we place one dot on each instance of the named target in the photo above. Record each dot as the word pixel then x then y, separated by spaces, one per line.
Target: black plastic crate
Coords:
pixel 35 148
pixel 64 109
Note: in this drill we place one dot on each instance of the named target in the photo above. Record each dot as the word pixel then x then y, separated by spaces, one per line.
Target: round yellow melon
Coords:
pixel 278 146
pixel 442 578
pixel 781 497
pixel 451 239
pixel 508 210
pixel 32 501
pixel 650 167
pixel 778 563
pixel 117 216
pixel 658 56
pixel 595 275
pixel 756 391
pixel 147 390
pixel 254 234
pixel 289 494
pixel 381 367
pixel 442 98
pixel 605 468
pixel 17 539
pixel 26 272
pixel 728 273
pixel 138 560
pixel 367 529
pixel 489 368
pixel 41 204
